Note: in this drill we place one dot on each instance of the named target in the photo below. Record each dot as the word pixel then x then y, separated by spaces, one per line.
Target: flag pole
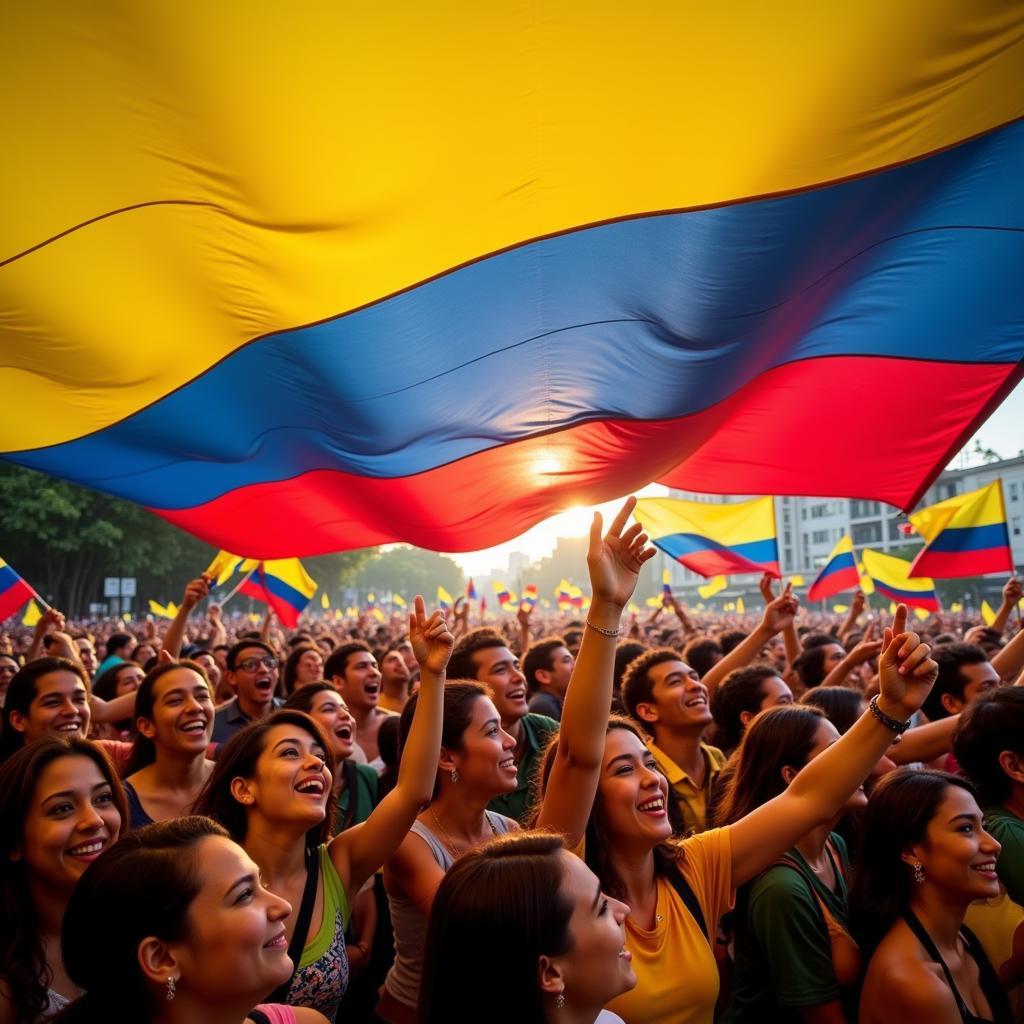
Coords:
pixel 241 583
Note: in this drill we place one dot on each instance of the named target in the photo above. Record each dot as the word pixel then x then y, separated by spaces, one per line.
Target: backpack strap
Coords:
pixel 280 994
pixel 685 892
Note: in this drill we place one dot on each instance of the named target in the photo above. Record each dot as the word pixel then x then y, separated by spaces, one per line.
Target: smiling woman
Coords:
pixel 168 766
pixel 197 936
pixel 61 806
pixel 271 789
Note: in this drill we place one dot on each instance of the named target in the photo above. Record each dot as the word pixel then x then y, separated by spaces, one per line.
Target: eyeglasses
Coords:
pixel 251 664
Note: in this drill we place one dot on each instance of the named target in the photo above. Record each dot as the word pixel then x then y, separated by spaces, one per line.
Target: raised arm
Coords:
pixel 857 605
pixel 1010 660
pixel 789 638
pixel 818 792
pixel 523 618
pixel 174 638
pixel 614 562
pixel 1011 595
pixel 867 649
pixel 359 851
pixel 777 615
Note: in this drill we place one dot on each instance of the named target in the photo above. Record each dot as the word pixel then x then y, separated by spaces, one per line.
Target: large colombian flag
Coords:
pixel 713 539
pixel 839 573
pixel 305 284
pixel 891 576
pixel 965 535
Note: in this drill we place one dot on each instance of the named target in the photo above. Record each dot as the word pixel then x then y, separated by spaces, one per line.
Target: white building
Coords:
pixel 808 528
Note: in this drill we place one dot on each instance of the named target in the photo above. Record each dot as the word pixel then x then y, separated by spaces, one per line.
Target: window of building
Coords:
pixel 1014 490
pixel 1015 526
pixel 867 533
pixel 819 537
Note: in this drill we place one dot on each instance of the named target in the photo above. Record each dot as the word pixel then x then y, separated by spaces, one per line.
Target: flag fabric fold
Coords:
pixel 966 535
pixel 891 576
pixel 713 539
pixel 288 304
pixel 839 573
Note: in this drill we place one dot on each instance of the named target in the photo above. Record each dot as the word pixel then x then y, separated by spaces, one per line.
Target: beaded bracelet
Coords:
pixel 888 721
pixel 602 631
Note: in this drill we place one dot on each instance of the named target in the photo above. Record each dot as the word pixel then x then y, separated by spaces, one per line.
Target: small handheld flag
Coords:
pixel 713 539
pixel 14 591
pixel 839 573
pixel 222 567
pixel 325 601
pixel 32 614
pixel 988 615
pixel 965 535
pixel 283 584
pixel 444 599
pixel 470 590
pixel 892 580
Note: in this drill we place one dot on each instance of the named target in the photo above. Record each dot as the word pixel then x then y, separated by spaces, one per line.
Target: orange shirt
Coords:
pixel 677 977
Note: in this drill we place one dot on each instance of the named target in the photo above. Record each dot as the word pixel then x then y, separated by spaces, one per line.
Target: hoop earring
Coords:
pixel 918 873
pixel 170 989
pixel 455 775
pixel 560 1001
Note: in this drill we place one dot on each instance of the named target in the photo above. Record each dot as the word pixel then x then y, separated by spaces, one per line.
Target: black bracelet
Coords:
pixel 888 721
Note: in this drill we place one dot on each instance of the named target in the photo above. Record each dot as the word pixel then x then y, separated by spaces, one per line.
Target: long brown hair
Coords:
pixel 668 856
pixel 500 903
pixel 142 886
pixel 237 759
pixel 23 965
pixel 776 738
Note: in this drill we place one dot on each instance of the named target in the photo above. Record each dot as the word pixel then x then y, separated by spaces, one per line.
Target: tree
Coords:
pixel 64 539
pixel 408 571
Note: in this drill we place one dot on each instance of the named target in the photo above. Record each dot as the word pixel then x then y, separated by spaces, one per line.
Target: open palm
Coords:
pixel 615 559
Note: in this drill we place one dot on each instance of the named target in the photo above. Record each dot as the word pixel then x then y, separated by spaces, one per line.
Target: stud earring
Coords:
pixel 170 989
pixel 918 873
pixel 455 775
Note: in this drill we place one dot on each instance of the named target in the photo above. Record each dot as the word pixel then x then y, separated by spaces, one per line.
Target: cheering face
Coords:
pixel 255 675
pixel 834 654
pixel 71 820
pixel 632 791
pixel 182 718
pixel 680 698
pixel 334 717
pixel 143 653
pixel 597 967
pixel 824 737
pixel 8 668
pixel 60 708
pixel 128 679
pixel 361 685
pixel 498 667
pixel 210 667
pixel 957 855
pixel 87 653
pixel 310 668
pixel 394 670
pixel 236 949
pixel 486 760
pixel 560 672
pixel 292 782
pixel 774 692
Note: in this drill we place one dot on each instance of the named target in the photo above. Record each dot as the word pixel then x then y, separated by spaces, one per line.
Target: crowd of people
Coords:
pixel 694 818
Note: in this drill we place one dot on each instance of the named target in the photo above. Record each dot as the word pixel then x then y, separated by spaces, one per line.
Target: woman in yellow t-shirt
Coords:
pixel 604 786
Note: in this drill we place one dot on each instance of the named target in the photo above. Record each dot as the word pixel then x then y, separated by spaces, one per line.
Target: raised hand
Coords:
pixel 765 584
pixel 195 591
pixel 906 672
pixel 780 612
pixel 523 614
pixel 615 560
pixel 431 640
pixel 858 603
pixel 51 621
pixel 1011 591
